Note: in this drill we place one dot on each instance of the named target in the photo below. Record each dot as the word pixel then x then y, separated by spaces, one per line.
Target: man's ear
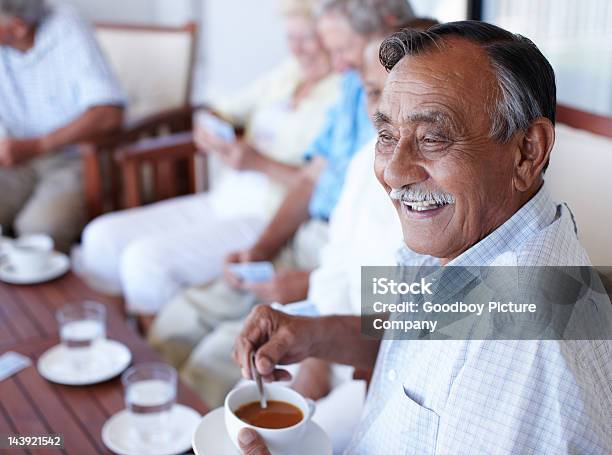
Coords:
pixel 533 153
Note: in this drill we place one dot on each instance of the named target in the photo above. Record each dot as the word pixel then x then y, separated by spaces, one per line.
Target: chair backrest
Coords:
pixel 154 64
pixel 580 174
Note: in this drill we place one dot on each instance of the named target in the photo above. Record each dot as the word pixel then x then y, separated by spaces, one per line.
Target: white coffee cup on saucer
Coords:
pixel 30 254
pixel 280 441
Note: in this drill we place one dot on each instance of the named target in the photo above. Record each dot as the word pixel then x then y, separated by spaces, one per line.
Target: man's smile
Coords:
pixel 423 209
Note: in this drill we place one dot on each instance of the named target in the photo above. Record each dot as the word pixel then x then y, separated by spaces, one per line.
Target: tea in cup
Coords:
pixel 30 254
pixel 282 424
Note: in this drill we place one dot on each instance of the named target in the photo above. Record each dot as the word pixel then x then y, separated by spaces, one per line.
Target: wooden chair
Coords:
pixel 153 64
pixel 155 68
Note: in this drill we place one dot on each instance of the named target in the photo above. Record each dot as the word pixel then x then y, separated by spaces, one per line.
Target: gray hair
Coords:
pixel 29 11
pixel 525 79
pixel 371 17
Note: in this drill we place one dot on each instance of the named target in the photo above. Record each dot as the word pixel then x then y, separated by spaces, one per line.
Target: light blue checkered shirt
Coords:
pixel 56 81
pixel 495 397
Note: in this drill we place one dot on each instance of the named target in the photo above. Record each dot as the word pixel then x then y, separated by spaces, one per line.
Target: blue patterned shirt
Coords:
pixel 347 128
pixel 502 396
pixel 56 81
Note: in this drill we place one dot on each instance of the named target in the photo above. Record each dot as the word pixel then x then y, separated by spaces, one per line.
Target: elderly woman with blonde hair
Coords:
pixel 151 253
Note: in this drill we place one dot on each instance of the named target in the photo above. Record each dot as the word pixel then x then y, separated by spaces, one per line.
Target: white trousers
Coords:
pixel 149 254
pixel 196 331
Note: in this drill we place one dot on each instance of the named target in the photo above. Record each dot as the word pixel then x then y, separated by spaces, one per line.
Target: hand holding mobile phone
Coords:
pixel 215 126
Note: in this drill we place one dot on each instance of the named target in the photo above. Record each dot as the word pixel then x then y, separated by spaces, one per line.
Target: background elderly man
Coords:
pixel 467 182
pixel 56 90
pixel 362 214
pixel 152 253
pixel 189 320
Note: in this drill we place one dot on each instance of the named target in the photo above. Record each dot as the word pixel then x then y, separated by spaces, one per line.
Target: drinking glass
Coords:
pixel 82 326
pixel 150 394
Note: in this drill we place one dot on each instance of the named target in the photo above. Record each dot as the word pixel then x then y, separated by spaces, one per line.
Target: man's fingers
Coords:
pixel 251 443
pixel 270 354
pixel 278 375
pixel 242 352
pixel 253 334
pixel 261 333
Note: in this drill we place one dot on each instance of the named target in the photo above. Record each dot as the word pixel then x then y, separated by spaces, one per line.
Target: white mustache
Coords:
pixel 407 194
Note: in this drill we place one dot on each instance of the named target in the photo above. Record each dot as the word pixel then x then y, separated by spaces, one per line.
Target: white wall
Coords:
pixel 243 39
pixel 167 12
pixel 240 39
pixel 573 36
pixel 442 10
pixel 116 10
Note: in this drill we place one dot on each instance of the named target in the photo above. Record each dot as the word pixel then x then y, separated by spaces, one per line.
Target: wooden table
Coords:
pixel 30 405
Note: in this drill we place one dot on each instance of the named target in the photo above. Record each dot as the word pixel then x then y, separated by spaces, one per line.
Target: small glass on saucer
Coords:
pixel 82 326
pixel 150 395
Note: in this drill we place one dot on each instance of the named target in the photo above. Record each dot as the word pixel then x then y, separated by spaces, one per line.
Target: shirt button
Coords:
pixel 392 375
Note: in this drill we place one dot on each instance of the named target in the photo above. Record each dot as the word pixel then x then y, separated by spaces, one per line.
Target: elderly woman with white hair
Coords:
pixel 151 253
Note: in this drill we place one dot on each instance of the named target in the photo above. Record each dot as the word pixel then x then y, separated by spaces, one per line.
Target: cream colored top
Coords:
pixel 277 130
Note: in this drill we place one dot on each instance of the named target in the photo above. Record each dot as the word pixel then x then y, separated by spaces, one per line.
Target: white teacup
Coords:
pixel 282 441
pixel 30 254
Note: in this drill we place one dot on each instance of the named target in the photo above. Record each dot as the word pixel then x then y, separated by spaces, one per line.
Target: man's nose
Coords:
pixel 405 167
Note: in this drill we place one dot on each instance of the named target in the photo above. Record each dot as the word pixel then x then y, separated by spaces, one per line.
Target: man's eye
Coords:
pixel 433 141
pixel 385 138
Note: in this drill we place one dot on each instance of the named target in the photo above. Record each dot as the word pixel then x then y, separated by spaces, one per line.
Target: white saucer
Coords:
pixel 211 438
pixel 59 265
pixel 118 436
pixel 55 364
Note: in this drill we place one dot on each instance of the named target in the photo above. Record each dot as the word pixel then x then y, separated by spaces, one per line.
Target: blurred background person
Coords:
pixel 363 213
pixel 56 89
pixel 150 253
pixel 196 331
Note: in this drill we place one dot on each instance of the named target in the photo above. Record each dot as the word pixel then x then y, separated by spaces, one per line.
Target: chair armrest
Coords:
pixel 172 147
pixel 103 149
pixel 162 153
pixel 176 120
pixel 172 120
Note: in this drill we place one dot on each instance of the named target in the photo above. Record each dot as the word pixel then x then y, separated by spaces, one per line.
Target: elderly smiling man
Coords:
pixel 465 128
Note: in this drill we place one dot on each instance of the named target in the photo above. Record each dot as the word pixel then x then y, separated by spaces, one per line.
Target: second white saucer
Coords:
pixel 111 358
pixel 118 433
pixel 59 264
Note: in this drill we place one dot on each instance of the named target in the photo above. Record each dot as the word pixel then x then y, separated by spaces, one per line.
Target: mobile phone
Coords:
pixel 253 272
pixel 216 126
